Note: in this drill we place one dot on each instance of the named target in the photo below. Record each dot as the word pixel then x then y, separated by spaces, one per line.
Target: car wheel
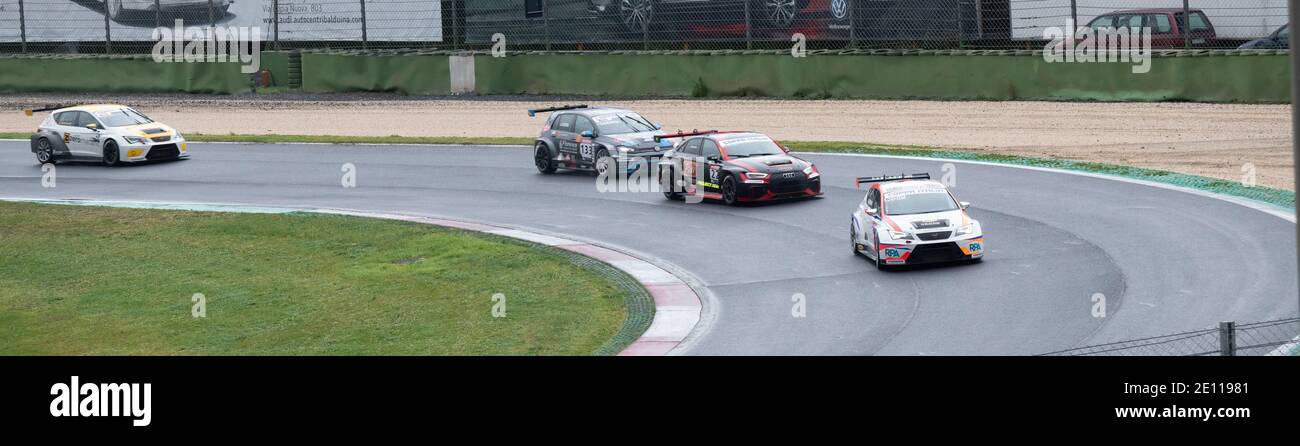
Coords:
pixel 880 264
pixel 853 240
pixel 666 183
pixel 111 157
pixel 44 151
pixel 603 161
pixel 542 158
pixel 777 13
pixel 635 15
pixel 729 190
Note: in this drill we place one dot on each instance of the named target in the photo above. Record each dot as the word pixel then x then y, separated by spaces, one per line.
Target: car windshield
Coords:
pixel 751 146
pixel 620 123
pixel 122 117
pixel 918 203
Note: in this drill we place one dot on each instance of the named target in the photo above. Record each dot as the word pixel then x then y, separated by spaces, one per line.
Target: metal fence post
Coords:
pixel 365 44
pixel 212 15
pixel 108 33
pixel 157 13
pixel 961 24
pixel 853 23
pixel 275 23
pixel 1074 17
pixel 1293 11
pixel 1187 26
pixel 546 23
pixel 22 24
pixel 1227 338
pixel 749 37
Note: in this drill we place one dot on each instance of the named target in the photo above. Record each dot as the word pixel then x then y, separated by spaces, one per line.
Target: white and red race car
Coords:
pixel 910 219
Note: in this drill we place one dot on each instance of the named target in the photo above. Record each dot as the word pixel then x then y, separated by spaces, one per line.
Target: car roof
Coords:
pixel 904 185
pixel 735 134
pixel 92 108
pixel 594 111
pixel 1147 11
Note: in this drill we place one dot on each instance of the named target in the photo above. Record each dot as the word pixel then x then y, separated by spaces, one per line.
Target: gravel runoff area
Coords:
pixel 1214 140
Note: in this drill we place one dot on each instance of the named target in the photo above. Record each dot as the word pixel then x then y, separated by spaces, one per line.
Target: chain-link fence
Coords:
pixel 131 26
pixel 1280 337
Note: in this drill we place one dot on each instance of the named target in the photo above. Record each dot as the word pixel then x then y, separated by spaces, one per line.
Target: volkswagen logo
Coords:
pixel 839 8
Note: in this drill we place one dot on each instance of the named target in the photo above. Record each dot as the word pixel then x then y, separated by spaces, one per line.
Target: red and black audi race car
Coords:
pixel 735 167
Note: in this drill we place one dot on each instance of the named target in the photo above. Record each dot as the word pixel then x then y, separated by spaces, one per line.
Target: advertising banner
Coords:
pixel 300 20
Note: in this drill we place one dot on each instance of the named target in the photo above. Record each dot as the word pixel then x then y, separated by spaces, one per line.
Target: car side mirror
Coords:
pixel 965 205
pixel 715 158
pixel 588 134
pixel 93 126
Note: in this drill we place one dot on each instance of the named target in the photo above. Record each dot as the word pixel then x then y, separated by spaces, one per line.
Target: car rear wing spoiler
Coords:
pixel 681 134
pixel 29 111
pixel 534 111
pixel 884 178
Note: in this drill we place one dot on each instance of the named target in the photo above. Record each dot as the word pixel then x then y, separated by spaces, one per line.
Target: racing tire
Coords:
pixel 853 240
pixel 880 265
pixel 111 155
pixel 777 14
pixel 603 161
pixel 729 190
pixel 666 183
pixel 635 16
pixel 542 159
pixel 44 152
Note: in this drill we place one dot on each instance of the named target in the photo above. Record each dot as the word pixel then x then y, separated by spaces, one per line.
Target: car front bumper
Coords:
pixel 781 190
pixel 155 151
pixel 939 251
pixel 173 5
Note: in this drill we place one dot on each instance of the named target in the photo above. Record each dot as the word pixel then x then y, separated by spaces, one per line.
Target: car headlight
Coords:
pixel 134 139
pixel 965 230
pixel 811 171
pixel 176 135
pixel 899 235
pixel 755 175
pixel 624 149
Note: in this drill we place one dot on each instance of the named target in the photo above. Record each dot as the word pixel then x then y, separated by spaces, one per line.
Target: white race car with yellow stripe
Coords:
pixel 107 133
pixel 909 219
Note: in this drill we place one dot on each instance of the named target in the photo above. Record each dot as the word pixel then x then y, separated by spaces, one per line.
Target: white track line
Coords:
pixel 1285 214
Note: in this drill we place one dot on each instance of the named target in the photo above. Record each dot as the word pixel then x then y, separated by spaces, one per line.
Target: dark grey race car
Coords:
pixel 596 139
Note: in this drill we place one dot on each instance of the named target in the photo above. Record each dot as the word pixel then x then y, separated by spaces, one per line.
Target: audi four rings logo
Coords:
pixel 839 8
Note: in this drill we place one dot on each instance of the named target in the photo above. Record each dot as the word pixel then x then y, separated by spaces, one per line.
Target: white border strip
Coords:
pixel 1276 211
pixel 678 305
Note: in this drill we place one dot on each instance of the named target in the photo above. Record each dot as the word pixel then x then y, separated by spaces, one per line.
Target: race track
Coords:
pixel 1166 261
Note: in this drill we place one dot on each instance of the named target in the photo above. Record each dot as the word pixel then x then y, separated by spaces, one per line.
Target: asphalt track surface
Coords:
pixel 1166 261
